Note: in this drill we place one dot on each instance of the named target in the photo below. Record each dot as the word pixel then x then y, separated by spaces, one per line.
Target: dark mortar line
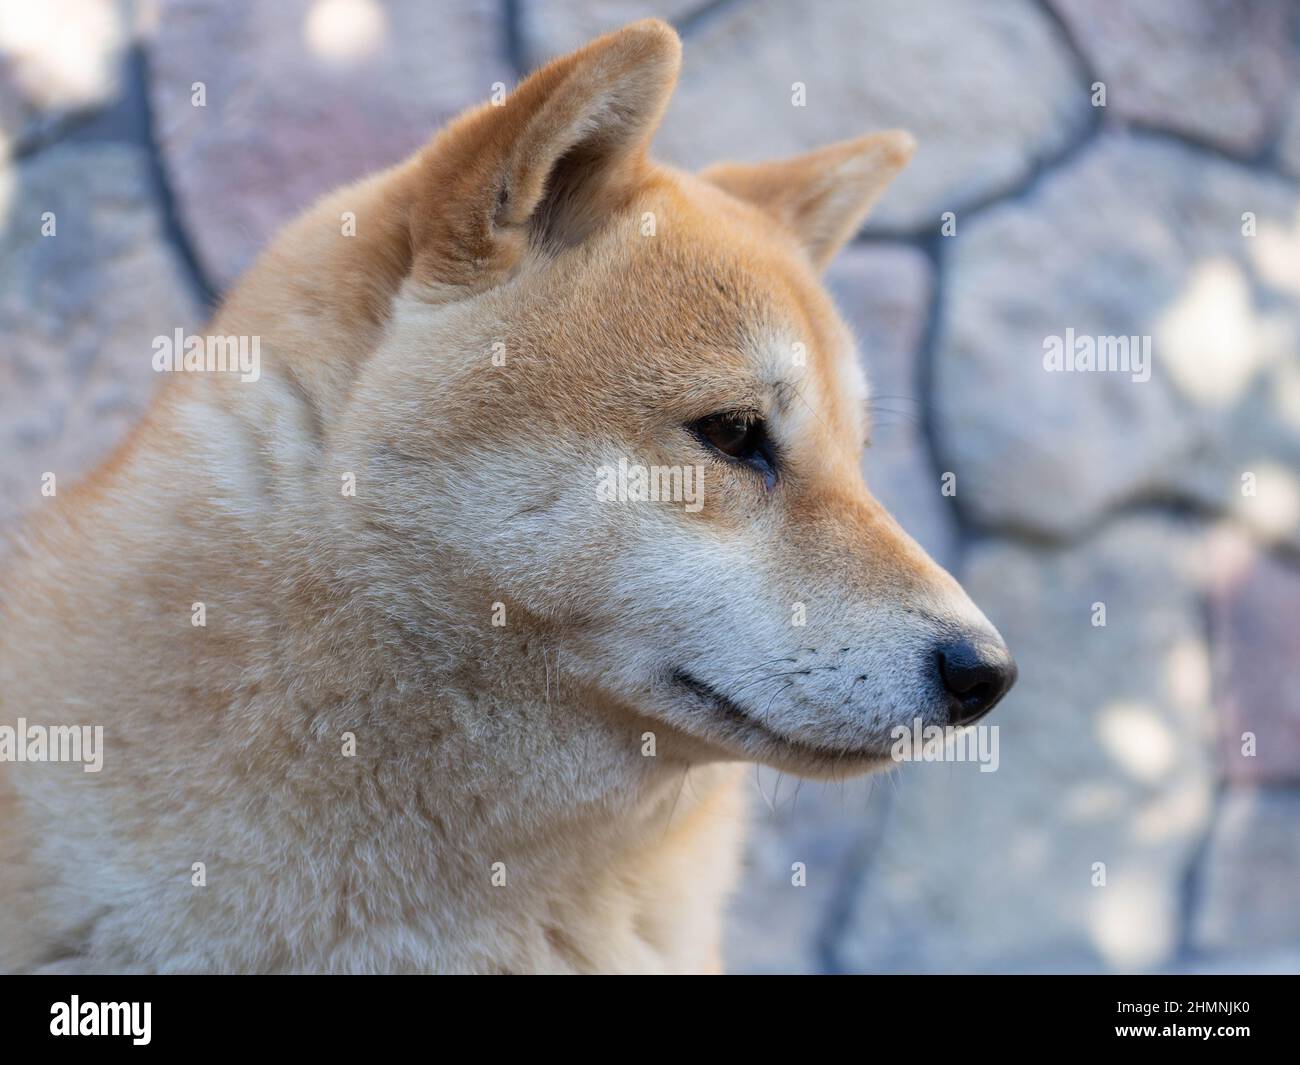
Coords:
pixel 1270 155
pixel 1191 891
pixel 1040 170
pixel 116 120
pixel 1194 890
pixel 965 524
pixel 520 55
pixel 1268 159
pixel 1092 126
pixel 829 940
pixel 1270 164
pixel 700 18
pixel 1172 505
pixel 45 132
pixel 1257 161
pixel 927 361
pixel 1066 32
pixel 1040 167
pixel 972 207
pixel 200 284
pixel 914 239
pixel 1264 161
pixel 128 119
pixel 514 44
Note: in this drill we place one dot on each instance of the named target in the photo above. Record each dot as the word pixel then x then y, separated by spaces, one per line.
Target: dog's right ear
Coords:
pixel 546 164
pixel 824 195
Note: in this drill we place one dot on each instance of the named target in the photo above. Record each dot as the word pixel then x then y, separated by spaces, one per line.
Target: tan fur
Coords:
pixel 329 615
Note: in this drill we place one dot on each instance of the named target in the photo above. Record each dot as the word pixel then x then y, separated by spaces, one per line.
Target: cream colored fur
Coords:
pixel 481 750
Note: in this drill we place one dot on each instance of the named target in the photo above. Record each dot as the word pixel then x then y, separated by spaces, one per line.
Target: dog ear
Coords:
pixel 545 165
pixel 822 197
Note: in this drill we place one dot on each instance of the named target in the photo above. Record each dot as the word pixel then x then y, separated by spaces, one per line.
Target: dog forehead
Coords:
pixel 794 338
pixel 701 254
pixel 818 386
pixel 705 295
pixel 692 301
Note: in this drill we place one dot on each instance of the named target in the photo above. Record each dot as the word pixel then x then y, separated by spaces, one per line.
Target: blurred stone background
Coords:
pixel 1123 743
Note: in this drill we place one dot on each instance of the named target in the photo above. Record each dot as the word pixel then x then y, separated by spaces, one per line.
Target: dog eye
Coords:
pixel 732 434
pixel 741 437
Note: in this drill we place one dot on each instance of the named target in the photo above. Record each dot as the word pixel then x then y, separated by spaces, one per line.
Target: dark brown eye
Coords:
pixel 732 434
pixel 741 437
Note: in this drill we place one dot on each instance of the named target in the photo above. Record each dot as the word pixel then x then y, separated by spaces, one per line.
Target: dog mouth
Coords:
pixel 742 726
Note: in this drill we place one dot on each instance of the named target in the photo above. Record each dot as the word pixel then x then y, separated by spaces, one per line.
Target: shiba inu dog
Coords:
pixel 391 676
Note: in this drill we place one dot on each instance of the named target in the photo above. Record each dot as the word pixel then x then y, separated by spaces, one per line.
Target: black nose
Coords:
pixel 975 678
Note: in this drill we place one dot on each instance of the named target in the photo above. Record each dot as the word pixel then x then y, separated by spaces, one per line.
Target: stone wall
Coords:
pixel 1163 745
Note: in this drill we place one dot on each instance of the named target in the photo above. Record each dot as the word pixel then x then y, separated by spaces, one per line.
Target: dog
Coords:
pixel 393 673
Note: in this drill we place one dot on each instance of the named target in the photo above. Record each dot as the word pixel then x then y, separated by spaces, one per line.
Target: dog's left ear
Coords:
pixel 544 166
pixel 822 197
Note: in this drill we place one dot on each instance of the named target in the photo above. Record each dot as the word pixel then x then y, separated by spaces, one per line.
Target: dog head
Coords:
pixel 614 398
